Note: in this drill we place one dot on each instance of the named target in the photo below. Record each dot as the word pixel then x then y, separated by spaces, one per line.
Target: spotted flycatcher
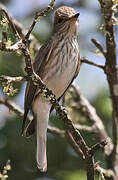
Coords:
pixel 57 63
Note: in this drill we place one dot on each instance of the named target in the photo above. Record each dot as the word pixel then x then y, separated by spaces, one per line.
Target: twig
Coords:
pixel 55 130
pixel 4 37
pixel 13 48
pixel 99 46
pixel 4 40
pixel 74 144
pixel 12 106
pixel 85 128
pixel 38 14
pixel 84 60
pixel 93 118
pixel 10 79
pixel 108 174
pixel 90 158
pixel 97 146
pixel 20 29
pixel 11 24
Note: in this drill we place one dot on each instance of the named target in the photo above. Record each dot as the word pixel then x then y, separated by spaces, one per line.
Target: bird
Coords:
pixel 57 63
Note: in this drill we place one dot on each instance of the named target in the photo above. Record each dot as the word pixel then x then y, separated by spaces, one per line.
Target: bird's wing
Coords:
pixel 30 129
pixel 39 63
pixel 76 73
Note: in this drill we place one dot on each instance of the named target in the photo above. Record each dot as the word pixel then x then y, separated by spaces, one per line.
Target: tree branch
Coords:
pixel 93 118
pixel 84 60
pixel 97 146
pixel 111 71
pixel 107 174
pixel 37 16
pixel 99 46
pixel 11 23
pixel 20 29
pixel 9 79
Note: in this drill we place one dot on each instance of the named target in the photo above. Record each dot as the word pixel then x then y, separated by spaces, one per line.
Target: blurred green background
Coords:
pixel 63 163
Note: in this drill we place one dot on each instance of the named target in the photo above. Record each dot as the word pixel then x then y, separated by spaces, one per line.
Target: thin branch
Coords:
pixel 21 30
pixel 93 118
pixel 4 40
pixel 39 14
pixel 99 46
pixel 12 106
pixel 9 79
pixel 5 48
pixel 55 130
pixel 85 128
pixel 84 60
pixel 74 145
pixel 97 146
pixel 107 174
pixel 11 24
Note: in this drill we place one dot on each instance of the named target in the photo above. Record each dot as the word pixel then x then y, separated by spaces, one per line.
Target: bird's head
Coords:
pixel 66 20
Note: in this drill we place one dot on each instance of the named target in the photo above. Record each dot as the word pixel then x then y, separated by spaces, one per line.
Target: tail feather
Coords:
pixel 41 111
pixel 41 138
pixel 41 153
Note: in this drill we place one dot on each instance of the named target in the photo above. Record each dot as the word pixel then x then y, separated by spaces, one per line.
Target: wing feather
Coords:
pixel 76 73
pixel 39 63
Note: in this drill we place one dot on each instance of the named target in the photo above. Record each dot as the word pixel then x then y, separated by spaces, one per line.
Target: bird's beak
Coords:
pixel 74 17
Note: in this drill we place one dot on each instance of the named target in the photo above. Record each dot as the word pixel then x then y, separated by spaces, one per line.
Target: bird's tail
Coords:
pixel 41 138
pixel 41 111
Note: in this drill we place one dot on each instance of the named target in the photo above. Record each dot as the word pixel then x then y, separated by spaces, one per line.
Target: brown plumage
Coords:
pixel 57 63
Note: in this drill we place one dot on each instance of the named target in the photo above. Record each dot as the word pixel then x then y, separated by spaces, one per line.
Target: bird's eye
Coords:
pixel 60 20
